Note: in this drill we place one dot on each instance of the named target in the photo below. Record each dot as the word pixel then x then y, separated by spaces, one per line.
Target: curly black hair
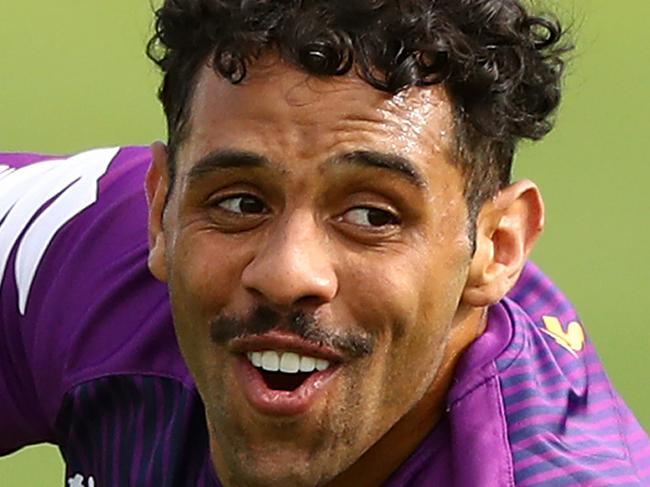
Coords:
pixel 500 63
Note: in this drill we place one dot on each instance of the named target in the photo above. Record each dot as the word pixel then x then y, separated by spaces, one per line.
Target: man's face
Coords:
pixel 315 225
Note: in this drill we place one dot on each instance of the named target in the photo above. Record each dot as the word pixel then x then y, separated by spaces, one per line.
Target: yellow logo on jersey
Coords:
pixel 573 339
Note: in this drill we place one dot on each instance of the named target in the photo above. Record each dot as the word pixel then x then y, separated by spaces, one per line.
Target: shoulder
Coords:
pixel 48 201
pixel 77 297
pixel 565 421
pixel 531 395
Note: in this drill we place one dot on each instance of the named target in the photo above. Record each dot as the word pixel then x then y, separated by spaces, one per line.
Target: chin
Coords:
pixel 276 471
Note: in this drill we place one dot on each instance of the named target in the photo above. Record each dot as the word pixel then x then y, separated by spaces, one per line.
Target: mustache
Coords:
pixel 226 327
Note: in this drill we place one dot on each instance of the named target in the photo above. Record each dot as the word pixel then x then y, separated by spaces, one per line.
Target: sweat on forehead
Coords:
pixel 318 111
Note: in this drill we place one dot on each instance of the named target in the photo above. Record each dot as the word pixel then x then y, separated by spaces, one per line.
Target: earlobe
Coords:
pixel 157 186
pixel 507 228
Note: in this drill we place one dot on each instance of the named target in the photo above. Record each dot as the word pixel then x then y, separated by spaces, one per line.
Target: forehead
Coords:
pixel 283 112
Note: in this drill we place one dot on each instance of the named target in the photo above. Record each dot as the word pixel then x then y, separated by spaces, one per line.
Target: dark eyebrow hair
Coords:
pixel 225 159
pixel 382 160
pixel 230 158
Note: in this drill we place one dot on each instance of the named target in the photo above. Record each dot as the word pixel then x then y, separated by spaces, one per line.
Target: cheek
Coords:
pixel 409 299
pixel 417 281
pixel 380 293
pixel 204 270
pixel 202 278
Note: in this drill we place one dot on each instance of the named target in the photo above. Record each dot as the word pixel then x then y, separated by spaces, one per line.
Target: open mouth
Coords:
pixel 282 374
pixel 285 371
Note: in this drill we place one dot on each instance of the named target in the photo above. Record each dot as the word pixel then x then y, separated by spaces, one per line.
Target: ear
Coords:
pixel 157 187
pixel 506 230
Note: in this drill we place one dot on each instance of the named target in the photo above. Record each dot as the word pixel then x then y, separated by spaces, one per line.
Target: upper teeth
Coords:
pixel 288 362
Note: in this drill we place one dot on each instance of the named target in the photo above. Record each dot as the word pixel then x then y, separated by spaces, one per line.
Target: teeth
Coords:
pixel 307 364
pixel 321 364
pixel 256 358
pixel 287 362
pixel 290 362
pixel 270 361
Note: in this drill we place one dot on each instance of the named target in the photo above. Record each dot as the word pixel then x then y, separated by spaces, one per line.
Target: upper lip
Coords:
pixel 284 342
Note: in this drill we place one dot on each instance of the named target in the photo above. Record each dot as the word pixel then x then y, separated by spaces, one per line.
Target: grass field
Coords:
pixel 73 75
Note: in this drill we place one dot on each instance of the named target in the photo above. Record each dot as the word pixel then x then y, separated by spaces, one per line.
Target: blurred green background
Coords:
pixel 73 75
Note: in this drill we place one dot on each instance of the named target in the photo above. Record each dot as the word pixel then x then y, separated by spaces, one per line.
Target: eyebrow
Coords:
pixel 399 165
pixel 226 159
pixel 231 159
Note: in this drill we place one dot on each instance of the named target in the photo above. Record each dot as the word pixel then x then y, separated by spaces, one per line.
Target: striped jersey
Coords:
pixel 89 360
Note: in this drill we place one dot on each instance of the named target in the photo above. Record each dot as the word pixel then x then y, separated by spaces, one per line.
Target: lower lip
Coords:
pixel 280 403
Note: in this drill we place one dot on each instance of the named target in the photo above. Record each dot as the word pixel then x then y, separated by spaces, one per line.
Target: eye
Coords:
pixel 243 204
pixel 370 217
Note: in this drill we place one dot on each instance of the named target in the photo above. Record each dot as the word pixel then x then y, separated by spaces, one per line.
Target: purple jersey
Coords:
pixel 89 361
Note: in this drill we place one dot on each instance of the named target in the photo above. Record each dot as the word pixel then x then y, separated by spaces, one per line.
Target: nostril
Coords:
pixel 308 302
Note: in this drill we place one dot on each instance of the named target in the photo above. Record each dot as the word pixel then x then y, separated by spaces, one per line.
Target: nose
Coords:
pixel 293 266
